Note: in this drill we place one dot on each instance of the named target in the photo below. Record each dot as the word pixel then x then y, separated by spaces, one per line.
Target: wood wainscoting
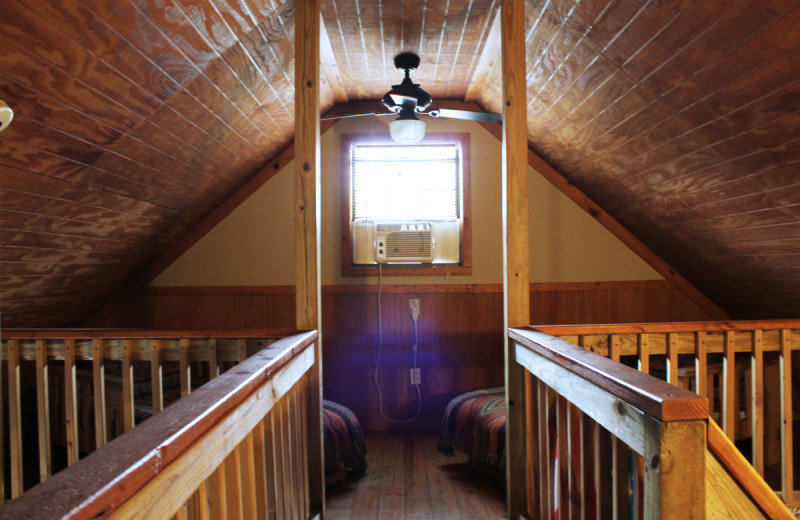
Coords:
pixel 460 331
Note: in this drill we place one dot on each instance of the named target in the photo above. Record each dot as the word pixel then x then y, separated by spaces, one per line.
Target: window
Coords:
pixel 406 206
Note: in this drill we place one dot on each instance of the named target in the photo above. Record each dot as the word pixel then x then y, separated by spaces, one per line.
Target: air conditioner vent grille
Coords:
pixel 405 244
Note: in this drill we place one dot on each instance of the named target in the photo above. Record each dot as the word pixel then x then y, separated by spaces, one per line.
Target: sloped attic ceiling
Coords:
pixel 135 119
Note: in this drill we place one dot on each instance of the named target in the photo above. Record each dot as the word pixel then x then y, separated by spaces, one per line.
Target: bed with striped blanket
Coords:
pixel 474 423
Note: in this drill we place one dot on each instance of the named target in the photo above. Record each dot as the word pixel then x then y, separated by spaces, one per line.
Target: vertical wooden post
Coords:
pixel 185 367
pixel 787 478
pixel 99 384
pixel 757 400
pixel 307 225
pixel 128 420
pixel 515 242
pixel 43 410
pixel 71 402
pixel 674 454
pixel 729 382
pixel 156 376
pixel 14 417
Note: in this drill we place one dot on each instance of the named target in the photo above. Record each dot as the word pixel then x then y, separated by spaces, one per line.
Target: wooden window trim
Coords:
pixel 465 267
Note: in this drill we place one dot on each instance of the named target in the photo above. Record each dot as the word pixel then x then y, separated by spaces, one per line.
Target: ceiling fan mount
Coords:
pixel 407 96
pixel 407 99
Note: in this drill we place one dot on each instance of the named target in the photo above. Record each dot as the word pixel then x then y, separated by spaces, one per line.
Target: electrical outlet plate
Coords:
pixel 413 305
pixel 415 376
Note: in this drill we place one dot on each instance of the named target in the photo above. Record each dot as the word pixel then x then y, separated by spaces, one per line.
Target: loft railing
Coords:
pixel 593 426
pixel 604 440
pixel 237 447
pixel 744 368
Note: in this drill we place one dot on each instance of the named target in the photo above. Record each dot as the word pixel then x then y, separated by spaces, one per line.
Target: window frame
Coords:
pixel 464 268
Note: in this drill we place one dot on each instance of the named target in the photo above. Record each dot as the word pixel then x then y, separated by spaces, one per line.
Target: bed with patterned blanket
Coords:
pixel 475 423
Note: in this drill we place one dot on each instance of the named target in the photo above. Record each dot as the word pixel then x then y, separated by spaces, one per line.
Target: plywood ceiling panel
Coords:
pixel 135 119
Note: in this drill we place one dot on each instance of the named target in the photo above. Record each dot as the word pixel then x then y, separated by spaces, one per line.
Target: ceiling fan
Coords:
pixel 408 100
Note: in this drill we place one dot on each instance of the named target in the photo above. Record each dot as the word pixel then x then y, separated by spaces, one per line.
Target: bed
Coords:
pixel 474 423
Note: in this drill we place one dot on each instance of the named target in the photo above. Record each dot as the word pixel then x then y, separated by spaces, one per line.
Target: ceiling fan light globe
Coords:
pixel 407 130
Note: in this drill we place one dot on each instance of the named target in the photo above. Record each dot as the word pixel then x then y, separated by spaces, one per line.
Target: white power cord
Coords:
pixel 414 318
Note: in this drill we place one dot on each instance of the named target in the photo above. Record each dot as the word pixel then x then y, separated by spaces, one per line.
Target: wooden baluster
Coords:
pixel 757 400
pixel 563 458
pixel 729 382
pixel 302 422
pixel 672 358
pixel 195 506
pixel 43 410
pixel 271 464
pixel 293 451
pixel 701 368
pixel 643 353
pixel 185 367
pixel 70 401
pixel 575 461
pixel 216 494
pixel 532 441
pixel 787 479
pixel 213 359
pixel 128 419
pixel 15 418
pixel 602 472
pixel 247 463
pixel 233 485
pixel 283 468
pixel 259 469
pixel 621 459
pixel 99 389
pixel 156 372
pixel 180 514
pixel 241 350
pixel 544 452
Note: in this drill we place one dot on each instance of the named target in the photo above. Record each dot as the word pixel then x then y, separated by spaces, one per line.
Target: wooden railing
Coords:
pixel 744 368
pixel 603 440
pixel 54 420
pixel 237 447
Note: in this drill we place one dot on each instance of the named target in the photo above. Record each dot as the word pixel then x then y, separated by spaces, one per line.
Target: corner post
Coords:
pixel 307 226
pixel 515 243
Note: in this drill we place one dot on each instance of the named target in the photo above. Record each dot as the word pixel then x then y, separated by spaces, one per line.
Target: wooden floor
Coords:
pixel 409 479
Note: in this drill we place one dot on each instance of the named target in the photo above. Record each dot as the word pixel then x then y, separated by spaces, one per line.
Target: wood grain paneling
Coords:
pixel 133 121
pixel 136 119
pixel 460 331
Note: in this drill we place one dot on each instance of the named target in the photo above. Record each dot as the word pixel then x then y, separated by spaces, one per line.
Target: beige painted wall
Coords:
pixel 254 245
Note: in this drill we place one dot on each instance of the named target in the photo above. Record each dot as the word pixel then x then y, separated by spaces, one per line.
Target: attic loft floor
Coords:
pixel 408 478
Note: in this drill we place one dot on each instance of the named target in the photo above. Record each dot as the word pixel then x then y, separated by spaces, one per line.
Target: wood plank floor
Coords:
pixel 409 479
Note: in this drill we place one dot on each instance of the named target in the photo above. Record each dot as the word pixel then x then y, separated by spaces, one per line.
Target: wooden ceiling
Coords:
pixel 136 119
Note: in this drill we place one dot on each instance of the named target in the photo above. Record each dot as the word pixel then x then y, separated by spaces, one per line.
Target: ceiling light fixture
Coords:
pixel 6 115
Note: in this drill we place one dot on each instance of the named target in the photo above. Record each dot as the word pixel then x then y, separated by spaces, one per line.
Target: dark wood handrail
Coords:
pixel 103 480
pixel 646 393
pixel 655 328
pixel 140 333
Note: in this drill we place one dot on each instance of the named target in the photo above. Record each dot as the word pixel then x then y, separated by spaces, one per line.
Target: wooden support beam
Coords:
pixel 307 225
pixel 515 245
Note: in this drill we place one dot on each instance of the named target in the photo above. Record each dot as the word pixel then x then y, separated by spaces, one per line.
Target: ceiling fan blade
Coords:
pixel 358 115
pixel 488 117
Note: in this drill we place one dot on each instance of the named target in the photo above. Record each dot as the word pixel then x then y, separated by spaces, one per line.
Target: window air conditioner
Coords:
pixel 403 243
pixel 444 242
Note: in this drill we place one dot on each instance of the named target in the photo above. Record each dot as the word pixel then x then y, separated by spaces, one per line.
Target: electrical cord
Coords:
pixel 378 362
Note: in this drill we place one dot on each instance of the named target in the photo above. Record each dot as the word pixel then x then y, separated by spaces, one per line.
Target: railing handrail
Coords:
pixel 106 478
pixel 646 393
pixel 56 334
pixel 656 328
